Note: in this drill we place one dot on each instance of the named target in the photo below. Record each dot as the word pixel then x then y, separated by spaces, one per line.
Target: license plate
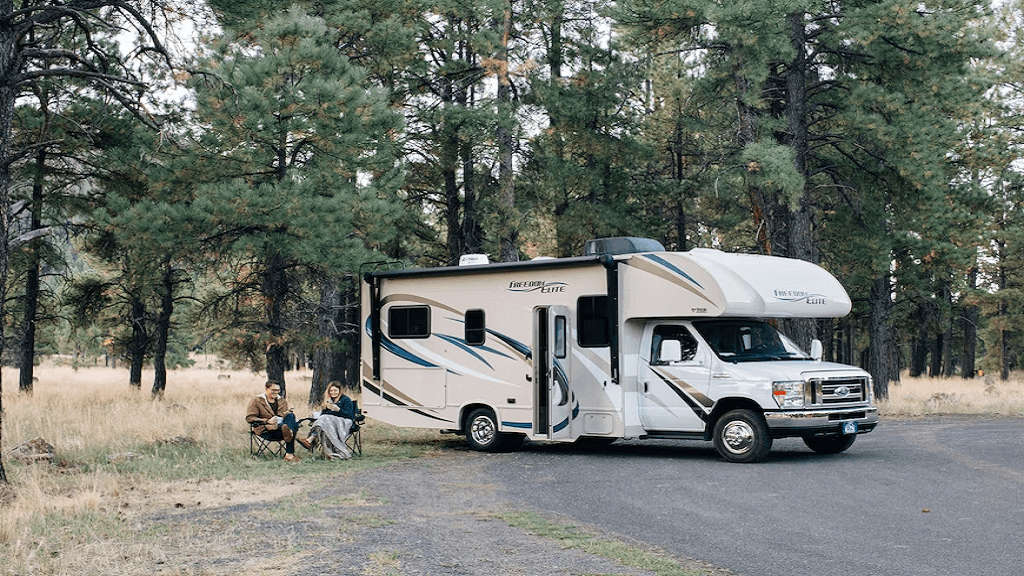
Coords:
pixel 849 427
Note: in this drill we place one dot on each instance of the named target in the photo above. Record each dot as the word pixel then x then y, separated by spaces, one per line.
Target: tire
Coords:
pixel 482 432
pixel 742 436
pixel 831 444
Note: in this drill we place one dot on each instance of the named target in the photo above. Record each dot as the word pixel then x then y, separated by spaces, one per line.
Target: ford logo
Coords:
pixel 842 392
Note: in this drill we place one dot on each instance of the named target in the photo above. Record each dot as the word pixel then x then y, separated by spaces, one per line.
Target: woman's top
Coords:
pixel 346 408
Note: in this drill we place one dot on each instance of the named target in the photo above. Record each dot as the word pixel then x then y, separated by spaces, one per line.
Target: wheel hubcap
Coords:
pixel 738 436
pixel 482 430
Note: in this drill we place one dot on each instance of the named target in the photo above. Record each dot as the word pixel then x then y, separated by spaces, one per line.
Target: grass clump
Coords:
pixel 574 537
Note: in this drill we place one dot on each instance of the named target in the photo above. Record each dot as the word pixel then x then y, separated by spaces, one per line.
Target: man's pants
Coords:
pixel 286 433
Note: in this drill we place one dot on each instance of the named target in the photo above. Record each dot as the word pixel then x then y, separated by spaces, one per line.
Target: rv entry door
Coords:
pixel 554 395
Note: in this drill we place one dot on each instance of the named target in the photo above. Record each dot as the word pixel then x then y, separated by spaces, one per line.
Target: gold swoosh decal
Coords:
pixel 652 268
pixel 689 390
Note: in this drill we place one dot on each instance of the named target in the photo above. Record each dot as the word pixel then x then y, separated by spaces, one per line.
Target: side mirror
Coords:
pixel 671 351
pixel 816 349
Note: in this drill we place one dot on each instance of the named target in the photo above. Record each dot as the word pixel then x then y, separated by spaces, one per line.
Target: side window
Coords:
pixel 409 321
pixel 476 328
pixel 592 321
pixel 664 342
pixel 559 336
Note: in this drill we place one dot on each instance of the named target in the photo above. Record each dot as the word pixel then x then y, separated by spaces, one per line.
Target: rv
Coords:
pixel 628 341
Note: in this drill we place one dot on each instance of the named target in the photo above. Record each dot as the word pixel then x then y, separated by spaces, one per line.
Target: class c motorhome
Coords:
pixel 628 341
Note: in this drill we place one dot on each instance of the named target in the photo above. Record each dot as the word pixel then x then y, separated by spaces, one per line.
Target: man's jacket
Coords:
pixel 259 410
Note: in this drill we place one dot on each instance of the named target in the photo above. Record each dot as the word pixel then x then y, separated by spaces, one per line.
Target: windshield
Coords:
pixel 748 341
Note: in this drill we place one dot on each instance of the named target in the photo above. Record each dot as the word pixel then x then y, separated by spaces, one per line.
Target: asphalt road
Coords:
pixel 921 497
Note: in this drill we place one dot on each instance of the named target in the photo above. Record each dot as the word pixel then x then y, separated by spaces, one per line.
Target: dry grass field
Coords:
pixel 931 396
pixel 114 466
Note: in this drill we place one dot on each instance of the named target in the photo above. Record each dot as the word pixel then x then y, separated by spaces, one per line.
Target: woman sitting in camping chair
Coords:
pixel 333 423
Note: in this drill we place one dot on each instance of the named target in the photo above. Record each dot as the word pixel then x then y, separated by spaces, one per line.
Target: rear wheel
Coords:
pixel 482 432
pixel 742 436
pixel 831 444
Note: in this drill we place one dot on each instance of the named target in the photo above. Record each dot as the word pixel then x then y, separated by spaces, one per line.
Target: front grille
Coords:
pixel 831 391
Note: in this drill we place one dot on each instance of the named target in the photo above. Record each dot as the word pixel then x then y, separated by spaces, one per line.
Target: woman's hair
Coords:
pixel 327 391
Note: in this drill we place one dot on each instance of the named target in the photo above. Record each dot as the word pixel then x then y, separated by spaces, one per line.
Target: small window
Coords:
pixel 476 329
pixel 409 321
pixel 559 336
pixel 592 321
pixel 675 334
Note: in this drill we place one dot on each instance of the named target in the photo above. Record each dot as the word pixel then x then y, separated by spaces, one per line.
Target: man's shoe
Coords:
pixel 291 458
pixel 305 443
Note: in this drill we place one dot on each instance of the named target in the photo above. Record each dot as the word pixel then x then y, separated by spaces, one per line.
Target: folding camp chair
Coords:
pixel 354 441
pixel 262 446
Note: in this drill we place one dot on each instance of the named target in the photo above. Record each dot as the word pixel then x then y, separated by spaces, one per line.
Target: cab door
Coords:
pixel 674 376
pixel 556 402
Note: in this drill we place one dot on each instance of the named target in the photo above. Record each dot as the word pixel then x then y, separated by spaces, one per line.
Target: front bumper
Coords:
pixel 802 422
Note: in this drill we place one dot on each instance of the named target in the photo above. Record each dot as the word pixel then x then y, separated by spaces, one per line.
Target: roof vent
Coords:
pixel 473 259
pixel 621 245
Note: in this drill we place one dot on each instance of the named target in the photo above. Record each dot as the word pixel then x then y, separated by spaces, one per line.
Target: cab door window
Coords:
pixel 669 338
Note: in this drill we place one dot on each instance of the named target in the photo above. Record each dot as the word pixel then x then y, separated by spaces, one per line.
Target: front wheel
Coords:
pixel 831 444
pixel 742 436
pixel 482 432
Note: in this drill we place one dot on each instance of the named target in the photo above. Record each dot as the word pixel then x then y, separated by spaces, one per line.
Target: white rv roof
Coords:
pixel 729 284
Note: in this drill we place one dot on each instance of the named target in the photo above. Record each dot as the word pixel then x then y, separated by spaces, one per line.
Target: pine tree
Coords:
pixel 299 172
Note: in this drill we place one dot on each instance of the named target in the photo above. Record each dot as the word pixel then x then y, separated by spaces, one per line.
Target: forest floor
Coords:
pixel 126 494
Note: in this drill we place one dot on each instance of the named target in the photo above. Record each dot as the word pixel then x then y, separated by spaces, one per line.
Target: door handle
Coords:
pixel 645 387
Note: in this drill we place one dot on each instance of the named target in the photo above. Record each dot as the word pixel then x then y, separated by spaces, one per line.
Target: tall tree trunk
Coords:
pixel 449 160
pixel 347 359
pixel 27 356
pixel 919 347
pixel 139 343
pixel 878 333
pixel 8 93
pixel 275 289
pixel 327 330
pixel 947 331
pixel 935 368
pixel 470 219
pixel 969 325
pixel 163 330
pixel 1004 346
pixel 509 239
pixel 800 242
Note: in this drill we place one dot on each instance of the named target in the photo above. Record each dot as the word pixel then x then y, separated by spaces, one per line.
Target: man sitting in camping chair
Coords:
pixel 271 419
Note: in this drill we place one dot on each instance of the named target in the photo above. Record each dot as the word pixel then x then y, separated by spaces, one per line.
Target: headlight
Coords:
pixel 789 393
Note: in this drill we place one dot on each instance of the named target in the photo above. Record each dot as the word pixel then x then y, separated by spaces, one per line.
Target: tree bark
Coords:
pixel 799 226
pixel 8 93
pixel 1004 346
pixel 946 351
pixel 27 356
pixel 275 289
pixel 969 326
pixel 163 330
pixel 878 333
pixel 139 342
pixel 919 347
pixel 935 367
pixel 347 358
pixel 449 161
pixel 324 353
pixel 509 240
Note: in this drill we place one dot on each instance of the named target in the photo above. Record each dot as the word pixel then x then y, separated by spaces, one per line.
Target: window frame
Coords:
pixel 654 361
pixel 391 324
pixel 482 329
pixel 580 333
pixel 560 348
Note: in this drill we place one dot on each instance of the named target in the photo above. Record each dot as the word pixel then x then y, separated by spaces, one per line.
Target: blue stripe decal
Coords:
pixel 517 424
pixel 398 350
pixel 560 372
pixel 483 347
pixel 465 346
pixel 576 411
pixel 515 344
pixel 560 425
pixel 672 267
